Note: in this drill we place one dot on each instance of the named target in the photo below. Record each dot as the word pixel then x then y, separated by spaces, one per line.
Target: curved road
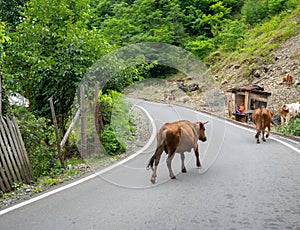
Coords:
pixel 242 185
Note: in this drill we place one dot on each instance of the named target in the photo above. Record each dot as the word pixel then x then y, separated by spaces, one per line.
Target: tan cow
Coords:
pixel 288 79
pixel 180 136
pixel 289 111
pixel 262 118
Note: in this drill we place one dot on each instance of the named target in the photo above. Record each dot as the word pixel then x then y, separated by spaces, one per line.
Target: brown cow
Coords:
pixel 180 136
pixel 288 79
pixel 262 118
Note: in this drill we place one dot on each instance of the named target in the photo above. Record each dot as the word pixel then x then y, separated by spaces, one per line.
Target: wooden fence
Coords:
pixel 14 163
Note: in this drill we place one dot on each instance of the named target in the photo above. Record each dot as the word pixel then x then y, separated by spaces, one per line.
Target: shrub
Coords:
pixel 292 129
pixel 230 37
pixel 110 142
pixel 118 122
pixel 201 47
pixel 255 11
pixel 39 140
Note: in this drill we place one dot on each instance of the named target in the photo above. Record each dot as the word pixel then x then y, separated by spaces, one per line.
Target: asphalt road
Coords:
pixel 242 185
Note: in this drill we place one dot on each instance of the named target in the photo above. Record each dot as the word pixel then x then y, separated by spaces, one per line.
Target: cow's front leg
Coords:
pixel 198 163
pixel 183 169
pixel 287 119
pixel 169 162
pixel 282 120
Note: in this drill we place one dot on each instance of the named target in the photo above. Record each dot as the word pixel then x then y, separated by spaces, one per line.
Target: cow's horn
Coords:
pixel 205 122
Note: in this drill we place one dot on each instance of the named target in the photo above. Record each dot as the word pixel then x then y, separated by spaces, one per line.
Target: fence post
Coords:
pixel 83 128
pixel 59 154
pixel 23 149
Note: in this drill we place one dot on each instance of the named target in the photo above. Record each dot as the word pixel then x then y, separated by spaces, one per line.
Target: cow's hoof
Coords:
pixel 257 142
pixel 183 170
pixel 264 140
pixel 153 179
pixel 173 177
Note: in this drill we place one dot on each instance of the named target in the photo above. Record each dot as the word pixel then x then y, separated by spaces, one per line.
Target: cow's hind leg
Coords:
pixel 171 155
pixel 268 132
pixel 155 160
pixel 263 135
pixel 173 141
pixel 257 137
pixel 183 169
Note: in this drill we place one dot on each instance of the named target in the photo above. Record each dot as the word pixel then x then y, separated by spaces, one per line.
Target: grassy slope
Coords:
pixel 260 41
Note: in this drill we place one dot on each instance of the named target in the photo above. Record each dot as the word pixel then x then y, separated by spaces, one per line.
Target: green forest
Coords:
pixel 46 46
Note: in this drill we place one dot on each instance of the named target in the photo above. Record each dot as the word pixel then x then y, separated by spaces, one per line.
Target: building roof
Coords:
pixel 249 88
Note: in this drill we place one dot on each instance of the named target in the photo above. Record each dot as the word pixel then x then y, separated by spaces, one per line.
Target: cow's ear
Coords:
pixel 202 124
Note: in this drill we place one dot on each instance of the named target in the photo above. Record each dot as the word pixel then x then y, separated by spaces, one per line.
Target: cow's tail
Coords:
pixel 158 151
pixel 151 162
pixel 155 156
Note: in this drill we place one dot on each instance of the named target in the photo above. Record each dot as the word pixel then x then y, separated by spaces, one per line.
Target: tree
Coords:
pixel 10 11
pixel 255 11
pixel 50 52
pixel 141 21
pixel 213 20
pixel 3 39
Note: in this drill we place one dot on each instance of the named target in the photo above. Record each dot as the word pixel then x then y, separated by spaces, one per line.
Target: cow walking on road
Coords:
pixel 262 118
pixel 180 136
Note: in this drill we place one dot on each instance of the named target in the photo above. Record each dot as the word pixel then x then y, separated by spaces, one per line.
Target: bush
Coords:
pixel 110 142
pixel 201 47
pixel 276 6
pixel 231 35
pixel 255 11
pixel 39 140
pixel 118 122
pixel 292 129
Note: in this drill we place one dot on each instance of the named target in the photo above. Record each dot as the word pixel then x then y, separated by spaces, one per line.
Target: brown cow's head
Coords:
pixel 202 136
pixel 284 110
